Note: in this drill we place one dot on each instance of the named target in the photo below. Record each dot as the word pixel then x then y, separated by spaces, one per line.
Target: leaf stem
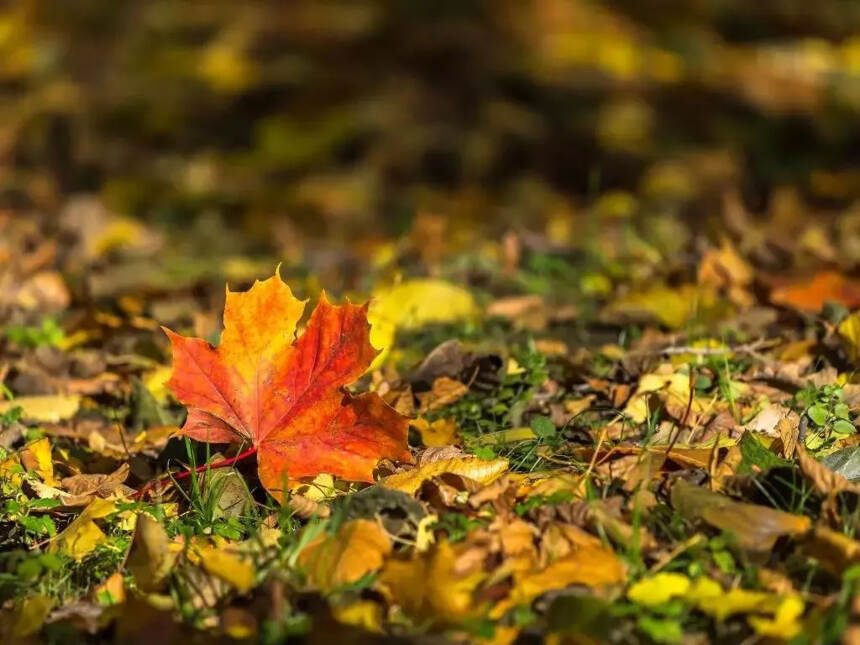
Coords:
pixel 171 477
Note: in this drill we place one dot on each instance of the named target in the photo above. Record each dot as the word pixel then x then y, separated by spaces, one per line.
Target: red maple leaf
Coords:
pixel 285 396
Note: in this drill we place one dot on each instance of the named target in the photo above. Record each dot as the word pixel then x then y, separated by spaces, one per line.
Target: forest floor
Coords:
pixel 675 464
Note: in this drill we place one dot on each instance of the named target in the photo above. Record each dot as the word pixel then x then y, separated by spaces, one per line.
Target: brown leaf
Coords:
pixel 755 527
pixel 96 485
pixel 306 508
pixel 825 480
pixel 445 391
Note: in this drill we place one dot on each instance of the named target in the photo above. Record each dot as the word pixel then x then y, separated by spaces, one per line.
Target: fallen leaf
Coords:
pixel 724 267
pixel 445 391
pixel 845 462
pixel 811 295
pixel 755 527
pixel 237 572
pixel 82 536
pixel 672 307
pixel 359 547
pixel 31 615
pixel 286 397
pixel 111 591
pixel 81 489
pixel 48 408
pixel 441 432
pixel 672 386
pixel 658 589
pixel 849 332
pixel 434 585
pixel 36 456
pixel 307 508
pixel 413 304
pixel 365 614
pixel 785 623
pixel 823 479
pixel 472 467
pixel 589 564
pixel 151 558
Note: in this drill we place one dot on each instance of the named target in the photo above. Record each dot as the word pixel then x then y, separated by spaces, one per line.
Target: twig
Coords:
pixel 170 477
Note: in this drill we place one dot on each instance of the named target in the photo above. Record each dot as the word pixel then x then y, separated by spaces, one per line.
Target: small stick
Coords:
pixel 187 473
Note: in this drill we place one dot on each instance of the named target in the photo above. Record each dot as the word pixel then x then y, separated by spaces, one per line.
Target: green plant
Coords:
pixel 47 333
pixel 827 414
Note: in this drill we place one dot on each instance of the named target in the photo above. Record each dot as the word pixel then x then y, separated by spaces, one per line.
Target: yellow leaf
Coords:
pixel 432 585
pixel 11 470
pixel 225 66
pixel 358 548
pixel 320 489
pixel 31 615
pixel 849 332
pixel 442 432
pixel 424 535
pixel 156 382
pixel 48 408
pixel 82 536
pixel 785 624
pixel 227 566
pixel 478 469
pixel 659 589
pixel 111 591
pixel 673 387
pixel 365 614
pixel 738 601
pixel 413 304
pixel 672 307
pixel 150 559
pixel 588 564
pixel 36 456
pixel 702 589
pixel 507 436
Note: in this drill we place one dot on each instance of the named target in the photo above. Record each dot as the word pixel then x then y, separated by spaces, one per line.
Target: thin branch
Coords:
pixel 172 478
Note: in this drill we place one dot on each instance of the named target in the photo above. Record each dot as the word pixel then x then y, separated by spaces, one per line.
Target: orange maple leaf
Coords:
pixel 286 396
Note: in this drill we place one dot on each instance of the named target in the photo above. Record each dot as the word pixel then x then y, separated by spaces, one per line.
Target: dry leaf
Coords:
pixel 812 294
pixel 48 408
pixel 755 527
pixel 413 304
pixel 151 558
pixel 285 396
pixel 441 432
pixel 359 547
pixel 36 456
pixel 434 585
pixel 481 471
pixel 82 536
pixel 445 391
pixel 589 564
pixel 237 572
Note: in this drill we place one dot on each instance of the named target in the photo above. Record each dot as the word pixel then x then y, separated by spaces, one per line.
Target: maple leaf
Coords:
pixel 284 395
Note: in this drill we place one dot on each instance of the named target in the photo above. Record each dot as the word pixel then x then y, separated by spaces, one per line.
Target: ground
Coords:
pixel 605 388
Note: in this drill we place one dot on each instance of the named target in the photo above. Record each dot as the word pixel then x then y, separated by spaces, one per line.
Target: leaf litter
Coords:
pixel 608 395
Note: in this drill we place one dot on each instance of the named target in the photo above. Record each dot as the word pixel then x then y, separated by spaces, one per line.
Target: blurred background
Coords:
pixel 567 148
